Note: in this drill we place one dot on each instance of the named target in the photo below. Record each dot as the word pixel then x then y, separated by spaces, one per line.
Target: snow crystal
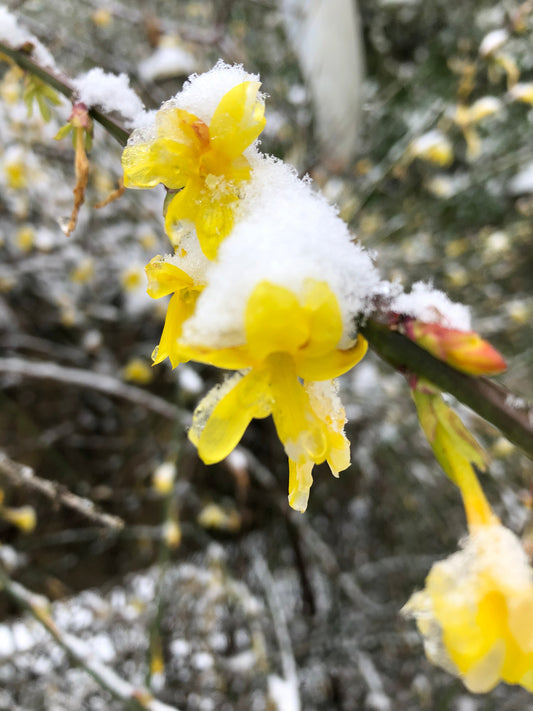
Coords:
pixel 285 233
pixel 15 36
pixel 190 258
pixel 432 306
pixel 110 92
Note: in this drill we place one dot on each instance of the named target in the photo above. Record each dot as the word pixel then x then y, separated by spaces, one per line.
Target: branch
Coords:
pixel 134 697
pixel 509 413
pixel 94 381
pixel 20 474
pixel 63 85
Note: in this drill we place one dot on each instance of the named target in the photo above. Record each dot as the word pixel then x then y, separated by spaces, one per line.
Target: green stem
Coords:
pixel 64 86
pixel 510 414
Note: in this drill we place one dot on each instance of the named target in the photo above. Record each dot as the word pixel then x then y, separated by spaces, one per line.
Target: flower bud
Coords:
pixel 464 350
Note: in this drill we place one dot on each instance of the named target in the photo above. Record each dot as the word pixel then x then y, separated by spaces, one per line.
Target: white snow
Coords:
pixel 168 60
pixel 15 36
pixel 284 233
pixel 432 306
pixel 110 92
pixel 493 41
pixel 202 93
pixel 522 182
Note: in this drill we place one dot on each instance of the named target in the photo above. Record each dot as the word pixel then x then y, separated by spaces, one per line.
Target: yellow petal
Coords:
pixel 328 407
pixel 222 417
pixel 183 128
pixel 161 161
pixel 227 358
pixel 214 222
pixel 301 431
pixel 165 278
pixel 238 119
pixel 274 321
pixel 300 481
pixel 183 206
pixel 325 320
pixel 331 365
pixel 179 310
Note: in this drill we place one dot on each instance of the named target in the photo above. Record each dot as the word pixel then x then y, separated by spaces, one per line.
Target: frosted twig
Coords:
pixel 62 84
pixel 137 698
pixel 94 381
pixel 288 663
pixel 21 474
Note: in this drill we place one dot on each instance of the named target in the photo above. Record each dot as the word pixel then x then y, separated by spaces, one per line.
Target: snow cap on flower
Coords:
pixel 476 611
pixel 285 234
pixel 202 93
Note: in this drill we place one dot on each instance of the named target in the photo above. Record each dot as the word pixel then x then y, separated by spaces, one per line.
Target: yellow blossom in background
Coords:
pixel 204 163
pixel 132 278
pixel 164 477
pixel 288 340
pixel 433 147
pixel 23 517
pixel 171 533
pixel 83 272
pixel 16 171
pixel 102 17
pixel 25 238
pixel 137 370
pixel 11 85
pixel 165 277
pixel 219 518
pixel 476 611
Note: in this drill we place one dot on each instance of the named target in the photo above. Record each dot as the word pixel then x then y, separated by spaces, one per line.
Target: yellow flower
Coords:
pixel 164 278
pixel 204 163
pixel 288 340
pixel 476 611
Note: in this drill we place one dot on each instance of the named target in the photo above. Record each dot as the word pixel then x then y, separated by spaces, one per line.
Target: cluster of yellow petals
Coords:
pixel 203 163
pixel 476 611
pixel 289 357
pixel 291 342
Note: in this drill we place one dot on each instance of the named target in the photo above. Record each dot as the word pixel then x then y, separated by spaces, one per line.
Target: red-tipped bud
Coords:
pixel 464 350
pixel 79 116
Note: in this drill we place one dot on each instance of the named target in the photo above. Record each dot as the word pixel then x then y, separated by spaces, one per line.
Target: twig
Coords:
pixel 22 475
pixel 288 663
pixel 510 414
pixel 134 697
pixel 94 381
pixel 63 85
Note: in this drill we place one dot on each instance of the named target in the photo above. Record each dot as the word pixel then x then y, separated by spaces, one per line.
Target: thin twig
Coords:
pixel 509 413
pixel 94 381
pixel 134 697
pixel 23 475
pixel 281 629
pixel 61 83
